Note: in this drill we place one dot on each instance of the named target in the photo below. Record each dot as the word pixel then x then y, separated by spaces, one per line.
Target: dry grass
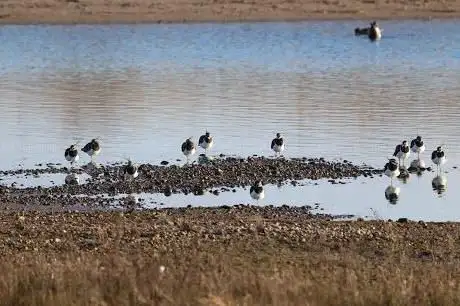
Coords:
pixel 106 11
pixel 225 257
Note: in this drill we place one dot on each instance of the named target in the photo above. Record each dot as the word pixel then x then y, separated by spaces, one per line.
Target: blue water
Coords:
pixel 145 88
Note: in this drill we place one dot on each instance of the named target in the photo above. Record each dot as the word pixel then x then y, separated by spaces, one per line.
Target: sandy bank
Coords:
pixel 133 11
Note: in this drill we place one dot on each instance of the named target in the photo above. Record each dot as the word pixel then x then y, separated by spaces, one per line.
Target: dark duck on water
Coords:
pixel 375 33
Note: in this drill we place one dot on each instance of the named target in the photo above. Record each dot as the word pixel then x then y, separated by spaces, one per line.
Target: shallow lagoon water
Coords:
pixel 145 88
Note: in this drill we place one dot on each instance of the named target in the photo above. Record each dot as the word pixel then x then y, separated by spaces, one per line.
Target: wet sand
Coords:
pixel 225 256
pixel 140 11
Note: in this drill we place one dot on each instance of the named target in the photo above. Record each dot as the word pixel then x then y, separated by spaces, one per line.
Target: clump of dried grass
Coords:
pixel 218 278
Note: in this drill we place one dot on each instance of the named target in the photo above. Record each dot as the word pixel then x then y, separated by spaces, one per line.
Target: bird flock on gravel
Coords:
pixel 394 168
pixel 188 148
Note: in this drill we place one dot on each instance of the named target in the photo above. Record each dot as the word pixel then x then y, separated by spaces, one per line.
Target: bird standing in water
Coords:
pixel 375 33
pixel 130 171
pixel 391 169
pixel 438 157
pixel 71 154
pixel 92 148
pixel 402 151
pixel 206 141
pixel 257 191
pixel 277 144
pixel 417 146
pixel 188 148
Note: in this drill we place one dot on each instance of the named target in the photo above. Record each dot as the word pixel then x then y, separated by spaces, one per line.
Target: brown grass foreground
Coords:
pixel 132 11
pixel 238 256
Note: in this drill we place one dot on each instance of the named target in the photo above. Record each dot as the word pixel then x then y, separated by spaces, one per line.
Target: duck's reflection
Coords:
pixel 439 184
pixel 392 194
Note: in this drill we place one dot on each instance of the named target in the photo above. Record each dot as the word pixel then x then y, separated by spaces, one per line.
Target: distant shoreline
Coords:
pixel 218 11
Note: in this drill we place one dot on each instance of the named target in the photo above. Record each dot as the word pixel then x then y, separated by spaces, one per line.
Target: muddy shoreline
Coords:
pixel 238 256
pixel 193 11
pixel 176 225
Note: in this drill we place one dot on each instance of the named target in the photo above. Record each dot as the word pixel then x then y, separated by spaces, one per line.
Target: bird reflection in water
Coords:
pixel 392 194
pixel 439 184
pixel 404 174
pixel 417 166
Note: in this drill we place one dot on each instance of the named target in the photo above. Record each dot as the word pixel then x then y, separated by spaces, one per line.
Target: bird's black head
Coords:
pixel 278 135
pixel 404 142
pixel 439 149
pixel 207 134
pixel 419 138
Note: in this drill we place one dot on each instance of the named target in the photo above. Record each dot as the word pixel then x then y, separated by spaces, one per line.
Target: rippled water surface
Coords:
pixel 143 89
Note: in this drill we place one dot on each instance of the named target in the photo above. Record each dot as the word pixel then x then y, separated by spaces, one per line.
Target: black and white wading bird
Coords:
pixel 402 151
pixel 278 144
pixel 206 141
pixel 417 146
pixel 257 191
pixel 71 154
pixel 375 33
pixel 391 169
pixel 438 157
pixel 188 148
pixel 130 171
pixel 92 148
